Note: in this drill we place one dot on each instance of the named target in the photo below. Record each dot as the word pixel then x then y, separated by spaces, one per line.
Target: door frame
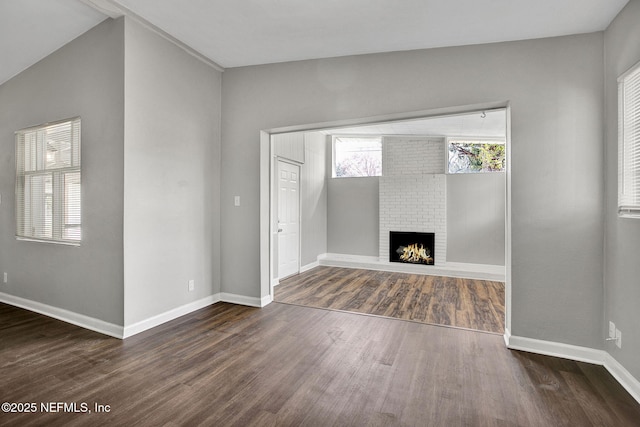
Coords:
pixel 266 177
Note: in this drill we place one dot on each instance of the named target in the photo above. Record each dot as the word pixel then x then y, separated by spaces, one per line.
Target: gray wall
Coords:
pixel 353 216
pixel 622 243
pixel 476 218
pixel 83 78
pixel 309 151
pixel 289 146
pixel 556 94
pixel 313 203
pixel 172 176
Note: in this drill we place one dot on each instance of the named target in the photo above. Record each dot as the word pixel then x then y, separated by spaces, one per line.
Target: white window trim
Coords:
pixel 628 202
pixel 333 153
pixel 57 174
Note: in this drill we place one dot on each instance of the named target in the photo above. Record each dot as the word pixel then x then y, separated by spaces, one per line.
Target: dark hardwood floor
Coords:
pixel 463 303
pixel 286 365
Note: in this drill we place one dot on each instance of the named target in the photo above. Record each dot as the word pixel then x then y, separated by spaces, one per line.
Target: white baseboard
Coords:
pixel 309 266
pixel 266 300
pixel 580 354
pixel 548 348
pixel 346 260
pixel 169 315
pixel 122 332
pixel 242 300
pixel 77 319
pixel 449 269
pixel 556 349
pixel 628 381
pixel 507 337
pixel 191 307
pixel 275 282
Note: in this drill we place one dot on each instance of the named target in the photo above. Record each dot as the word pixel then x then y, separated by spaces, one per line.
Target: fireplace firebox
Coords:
pixel 411 247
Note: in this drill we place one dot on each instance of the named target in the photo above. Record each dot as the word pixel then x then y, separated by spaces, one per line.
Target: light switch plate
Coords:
pixel 612 330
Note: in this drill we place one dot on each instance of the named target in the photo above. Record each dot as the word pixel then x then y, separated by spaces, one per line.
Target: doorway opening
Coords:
pixel 404 132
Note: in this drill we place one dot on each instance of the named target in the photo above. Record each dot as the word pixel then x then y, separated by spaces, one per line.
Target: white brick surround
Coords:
pixel 413 194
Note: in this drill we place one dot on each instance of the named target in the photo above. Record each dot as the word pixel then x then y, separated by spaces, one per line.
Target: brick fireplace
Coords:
pixel 412 192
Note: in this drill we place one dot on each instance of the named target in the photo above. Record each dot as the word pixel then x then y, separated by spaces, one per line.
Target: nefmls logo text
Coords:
pixel 64 407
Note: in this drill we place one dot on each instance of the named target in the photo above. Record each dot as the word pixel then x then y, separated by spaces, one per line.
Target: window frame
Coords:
pixel 483 139
pixel 57 175
pixel 354 136
pixel 628 203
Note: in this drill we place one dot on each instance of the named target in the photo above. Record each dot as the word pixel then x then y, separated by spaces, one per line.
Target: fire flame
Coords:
pixel 415 253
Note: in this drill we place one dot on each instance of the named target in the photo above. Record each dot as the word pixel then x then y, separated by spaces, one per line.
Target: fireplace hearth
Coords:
pixel 411 247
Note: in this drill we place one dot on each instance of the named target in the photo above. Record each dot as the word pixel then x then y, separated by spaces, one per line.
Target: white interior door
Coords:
pixel 288 219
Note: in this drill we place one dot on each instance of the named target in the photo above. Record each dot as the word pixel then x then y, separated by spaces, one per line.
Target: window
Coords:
pixel 357 156
pixel 629 143
pixel 48 183
pixel 474 155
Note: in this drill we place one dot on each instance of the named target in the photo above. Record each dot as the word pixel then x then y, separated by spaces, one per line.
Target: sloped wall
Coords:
pixel 83 78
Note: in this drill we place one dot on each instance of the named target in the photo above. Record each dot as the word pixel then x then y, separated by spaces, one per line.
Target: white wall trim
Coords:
pixel 346 260
pixel 114 9
pixel 266 300
pixel 310 266
pixel 449 269
pixel 77 319
pixel 580 354
pixel 506 336
pixel 548 348
pixel 244 300
pixel 172 314
pixel 169 315
pixel 628 381
pixel 556 349
pixel 121 332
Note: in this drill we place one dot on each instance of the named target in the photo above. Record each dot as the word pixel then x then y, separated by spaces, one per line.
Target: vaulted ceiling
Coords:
pixel 235 33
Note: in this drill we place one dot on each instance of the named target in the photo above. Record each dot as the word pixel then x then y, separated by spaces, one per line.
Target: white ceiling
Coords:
pixel 482 124
pixel 236 33
pixel 32 29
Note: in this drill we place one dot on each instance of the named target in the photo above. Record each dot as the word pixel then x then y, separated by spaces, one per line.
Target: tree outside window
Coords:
pixel 473 156
pixel 357 156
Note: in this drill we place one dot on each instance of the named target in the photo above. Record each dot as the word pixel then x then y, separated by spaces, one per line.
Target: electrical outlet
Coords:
pixel 618 338
pixel 192 285
pixel 612 329
pixel 5 277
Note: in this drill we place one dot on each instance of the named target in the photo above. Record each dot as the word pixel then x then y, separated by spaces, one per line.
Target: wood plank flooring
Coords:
pixel 464 303
pixel 286 365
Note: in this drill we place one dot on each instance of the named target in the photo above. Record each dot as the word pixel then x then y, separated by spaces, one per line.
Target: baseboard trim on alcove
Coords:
pixel 577 353
pixel 449 269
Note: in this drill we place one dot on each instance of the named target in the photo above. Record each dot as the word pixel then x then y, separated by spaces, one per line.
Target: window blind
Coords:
pixel 48 180
pixel 629 143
